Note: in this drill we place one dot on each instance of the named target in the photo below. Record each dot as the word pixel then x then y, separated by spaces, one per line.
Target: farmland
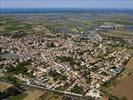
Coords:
pixel 37 93
pixel 119 33
pixel 124 89
pixel 64 22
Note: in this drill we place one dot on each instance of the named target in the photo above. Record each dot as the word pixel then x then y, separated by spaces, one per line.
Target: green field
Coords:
pixel 64 22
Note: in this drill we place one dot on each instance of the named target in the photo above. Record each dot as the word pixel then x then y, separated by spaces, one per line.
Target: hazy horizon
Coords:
pixel 87 4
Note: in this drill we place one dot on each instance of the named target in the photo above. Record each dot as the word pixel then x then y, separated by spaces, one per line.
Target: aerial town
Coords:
pixel 77 64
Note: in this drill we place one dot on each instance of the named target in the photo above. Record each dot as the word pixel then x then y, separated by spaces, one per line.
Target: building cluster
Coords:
pixel 64 62
pixel 109 25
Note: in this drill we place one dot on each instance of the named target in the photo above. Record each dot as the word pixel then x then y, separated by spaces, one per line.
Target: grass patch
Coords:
pixel 18 97
pixel 78 90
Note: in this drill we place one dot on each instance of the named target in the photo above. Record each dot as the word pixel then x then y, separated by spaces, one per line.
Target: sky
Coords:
pixel 67 4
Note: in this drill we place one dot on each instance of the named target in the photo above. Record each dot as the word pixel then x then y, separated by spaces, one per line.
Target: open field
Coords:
pixel 130 63
pixel 28 94
pixel 51 96
pixel 9 25
pixel 124 89
pixel 17 97
pixel 119 33
pixel 62 22
pixel 2 29
pixel 34 94
pixel 4 85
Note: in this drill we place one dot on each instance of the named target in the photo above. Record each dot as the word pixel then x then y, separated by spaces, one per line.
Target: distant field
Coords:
pixel 2 28
pixel 9 25
pixel 65 22
pixel 124 89
pixel 119 33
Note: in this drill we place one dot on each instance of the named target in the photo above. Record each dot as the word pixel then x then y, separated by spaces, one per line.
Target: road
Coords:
pixel 58 91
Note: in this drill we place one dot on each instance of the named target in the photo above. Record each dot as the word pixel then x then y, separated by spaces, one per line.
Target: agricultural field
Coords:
pixel 51 96
pixel 63 22
pixel 130 64
pixel 4 85
pixel 119 33
pixel 35 94
pixel 18 97
pixel 9 25
pixel 124 88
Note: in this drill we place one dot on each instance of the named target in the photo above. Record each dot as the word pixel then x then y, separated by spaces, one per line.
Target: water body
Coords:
pixel 62 10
